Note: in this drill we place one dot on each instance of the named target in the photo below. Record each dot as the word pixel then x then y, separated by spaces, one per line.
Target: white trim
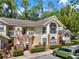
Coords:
pixel 55 19
pixel 0 44
pixel 5 36
pixel 3 21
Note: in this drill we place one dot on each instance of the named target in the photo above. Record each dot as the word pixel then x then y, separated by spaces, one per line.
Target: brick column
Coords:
pixel 30 43
pixel 18 46
pixel 59 39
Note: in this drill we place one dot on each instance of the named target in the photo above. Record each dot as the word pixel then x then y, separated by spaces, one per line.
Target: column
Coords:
pixel 48 45
pixel 30 43
pixel 17 43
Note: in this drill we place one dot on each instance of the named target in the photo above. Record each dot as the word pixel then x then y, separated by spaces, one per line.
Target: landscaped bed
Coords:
pixel 38 48
pixel 76 41
pixel 18 53
pixel 66 44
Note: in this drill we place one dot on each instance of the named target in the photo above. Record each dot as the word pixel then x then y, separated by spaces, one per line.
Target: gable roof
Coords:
pixel 25 23
pixel 64 31
pixel 49 19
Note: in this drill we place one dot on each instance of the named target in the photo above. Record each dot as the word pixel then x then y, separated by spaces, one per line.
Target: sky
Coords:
pixel 58 4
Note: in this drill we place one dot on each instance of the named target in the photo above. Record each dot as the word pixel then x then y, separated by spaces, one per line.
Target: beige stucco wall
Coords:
pixel 37 39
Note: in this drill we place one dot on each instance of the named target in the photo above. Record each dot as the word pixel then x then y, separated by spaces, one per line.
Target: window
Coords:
pixel 52 28
pixel 66 35
pixel 76 52
pixel 44 30
pixel 1 28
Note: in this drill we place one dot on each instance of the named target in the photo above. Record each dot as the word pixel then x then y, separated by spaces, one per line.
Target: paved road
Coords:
pixel 50 56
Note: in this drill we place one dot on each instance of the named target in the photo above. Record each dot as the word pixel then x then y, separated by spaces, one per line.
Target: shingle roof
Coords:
pixel 24 23
pixel 64 31
pixel 17 22
pixel 42 21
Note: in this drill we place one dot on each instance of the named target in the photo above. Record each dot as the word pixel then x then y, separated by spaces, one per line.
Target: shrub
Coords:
pixel 55 46
pixel 18 53
pixel 76 41
pixel 38 46
pixel 37 49
pixel 69 44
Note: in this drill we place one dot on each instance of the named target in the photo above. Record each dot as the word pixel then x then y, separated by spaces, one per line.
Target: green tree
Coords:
pixel 25 4
pixel 41 9
pixel 11 11
pixel 70 21
pixel 34 15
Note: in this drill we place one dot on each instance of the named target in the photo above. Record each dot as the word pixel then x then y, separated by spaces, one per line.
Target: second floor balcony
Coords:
pixel 12 33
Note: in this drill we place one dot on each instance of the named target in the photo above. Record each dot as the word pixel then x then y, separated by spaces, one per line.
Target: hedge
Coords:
pixel 69 44
pixel 37 49
pixel 76 41
pixel 18 53
pixel 58 45
pixel 55 46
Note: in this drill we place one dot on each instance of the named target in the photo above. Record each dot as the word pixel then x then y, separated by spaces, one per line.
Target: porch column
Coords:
pixel 48 46
pixel 59 39
pixel 30 43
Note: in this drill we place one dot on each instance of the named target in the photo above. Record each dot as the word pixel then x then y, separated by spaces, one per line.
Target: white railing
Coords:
pixel 30 32
pixel 11 33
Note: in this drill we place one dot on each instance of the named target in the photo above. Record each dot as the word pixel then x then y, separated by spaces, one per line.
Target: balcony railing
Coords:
pixel 11 33
pixel 30 33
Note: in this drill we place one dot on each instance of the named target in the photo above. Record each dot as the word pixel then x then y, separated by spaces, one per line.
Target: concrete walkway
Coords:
pixel 28 55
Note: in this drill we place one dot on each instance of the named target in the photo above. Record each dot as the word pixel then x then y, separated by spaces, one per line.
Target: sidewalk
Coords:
pixel 39 54
pixel 28 55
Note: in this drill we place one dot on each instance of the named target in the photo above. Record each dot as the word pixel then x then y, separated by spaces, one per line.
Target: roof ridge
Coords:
pixel 15 19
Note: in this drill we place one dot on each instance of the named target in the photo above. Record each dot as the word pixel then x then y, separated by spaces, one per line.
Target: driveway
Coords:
pixel 50 56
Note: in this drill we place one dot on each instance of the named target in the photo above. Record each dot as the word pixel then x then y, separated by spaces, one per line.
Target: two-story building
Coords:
pixel 47 31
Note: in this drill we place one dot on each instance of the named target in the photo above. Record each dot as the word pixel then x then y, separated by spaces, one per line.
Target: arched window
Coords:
pixel 52 28
pixel 66 35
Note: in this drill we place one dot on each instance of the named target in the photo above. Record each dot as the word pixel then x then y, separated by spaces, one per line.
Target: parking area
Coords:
pixel 50 56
